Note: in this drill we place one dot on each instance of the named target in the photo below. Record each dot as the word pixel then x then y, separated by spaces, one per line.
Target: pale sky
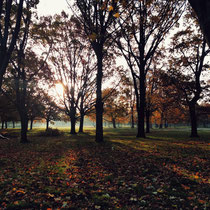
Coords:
pixel 51 7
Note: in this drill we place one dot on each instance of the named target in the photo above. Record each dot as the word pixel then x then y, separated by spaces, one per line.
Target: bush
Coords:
pixel 50 132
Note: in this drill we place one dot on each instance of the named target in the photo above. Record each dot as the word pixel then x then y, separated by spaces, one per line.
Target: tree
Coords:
pixel 189 50
pixel 152 96
pixel 20 85
pixel 12 13
pixel 202 9
pixel 204 114
pixel 166 102
pixel 97 18
pixel 50 110
pixel 35 106
pixel 87 99
pixel 127 91
pixel 74 64
pixel 8 111
pixel 25 71
pixel 143 27
pixel 115 107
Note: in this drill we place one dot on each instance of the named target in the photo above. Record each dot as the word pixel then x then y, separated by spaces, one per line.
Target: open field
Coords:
pixel 167 170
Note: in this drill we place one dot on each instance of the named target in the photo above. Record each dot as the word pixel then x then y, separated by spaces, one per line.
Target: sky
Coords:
pixel 51 7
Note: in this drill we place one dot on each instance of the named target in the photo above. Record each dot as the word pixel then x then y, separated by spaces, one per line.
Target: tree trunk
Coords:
pixel 31 124
pixel 47 124
pixel 113 122
pixel 141 111
pixel 99 103
pixel 73 120
pixel 147 121
pixel 7 48
pixel 132 118
pixel 193 120
pixel 13 124
pixel 24 127
pixel 2 124
pixel 161 121
pixel 166 123
pixel 73 126
pixel 81 124
pixel 202 9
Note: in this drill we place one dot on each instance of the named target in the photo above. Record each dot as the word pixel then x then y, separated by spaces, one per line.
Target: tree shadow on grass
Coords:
pixel 132 175
pixel 75 172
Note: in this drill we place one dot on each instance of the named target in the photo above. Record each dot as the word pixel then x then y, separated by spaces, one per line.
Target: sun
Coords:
pixel 59 89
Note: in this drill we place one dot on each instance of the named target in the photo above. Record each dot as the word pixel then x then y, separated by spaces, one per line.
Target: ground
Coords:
pixel 167 170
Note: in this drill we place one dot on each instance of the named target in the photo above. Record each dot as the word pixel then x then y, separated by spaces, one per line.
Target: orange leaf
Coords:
pixel 185 187
pixel 20 191
pixel 117 15
pixel 111 8
pixel 201 201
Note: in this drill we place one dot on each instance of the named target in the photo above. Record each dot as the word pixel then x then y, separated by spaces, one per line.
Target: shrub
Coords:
pixel 50 132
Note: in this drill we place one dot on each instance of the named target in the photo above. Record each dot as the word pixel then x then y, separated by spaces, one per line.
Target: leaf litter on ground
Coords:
pixel 120 173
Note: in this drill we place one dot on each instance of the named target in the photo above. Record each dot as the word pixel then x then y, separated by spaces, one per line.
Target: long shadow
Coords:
pixel 125 173
pixel 108 175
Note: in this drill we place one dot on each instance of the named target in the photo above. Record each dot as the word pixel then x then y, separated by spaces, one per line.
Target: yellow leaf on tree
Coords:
pixel 111 8
pixel 117 15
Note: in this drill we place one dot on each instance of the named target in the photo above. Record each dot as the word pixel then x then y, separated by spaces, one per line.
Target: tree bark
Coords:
pixel 132 118
pixel 47 124
pixel 7 48
pixel 147 121
pixel 13 124
pixel 2 124
pixel 202 9
pixel 99 103
pixel 73 126
pixel 113 122
pixel 24 127
pixel 141 111
pixel 166 123
pixel 73 120
pixel 81 124
pixel 193 120
pixel 161 121
pixel 31 124
pixel 161 124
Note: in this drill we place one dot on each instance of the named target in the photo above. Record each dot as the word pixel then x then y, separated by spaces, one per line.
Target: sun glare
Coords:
pixel 59 89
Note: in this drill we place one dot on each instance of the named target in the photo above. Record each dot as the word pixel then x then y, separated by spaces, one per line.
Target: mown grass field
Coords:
pixel 167 170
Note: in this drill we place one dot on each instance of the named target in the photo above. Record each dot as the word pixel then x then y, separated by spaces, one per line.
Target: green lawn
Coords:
pixel 167 170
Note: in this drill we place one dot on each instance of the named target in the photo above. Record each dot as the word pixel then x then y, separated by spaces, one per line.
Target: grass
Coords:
pixel 166 170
